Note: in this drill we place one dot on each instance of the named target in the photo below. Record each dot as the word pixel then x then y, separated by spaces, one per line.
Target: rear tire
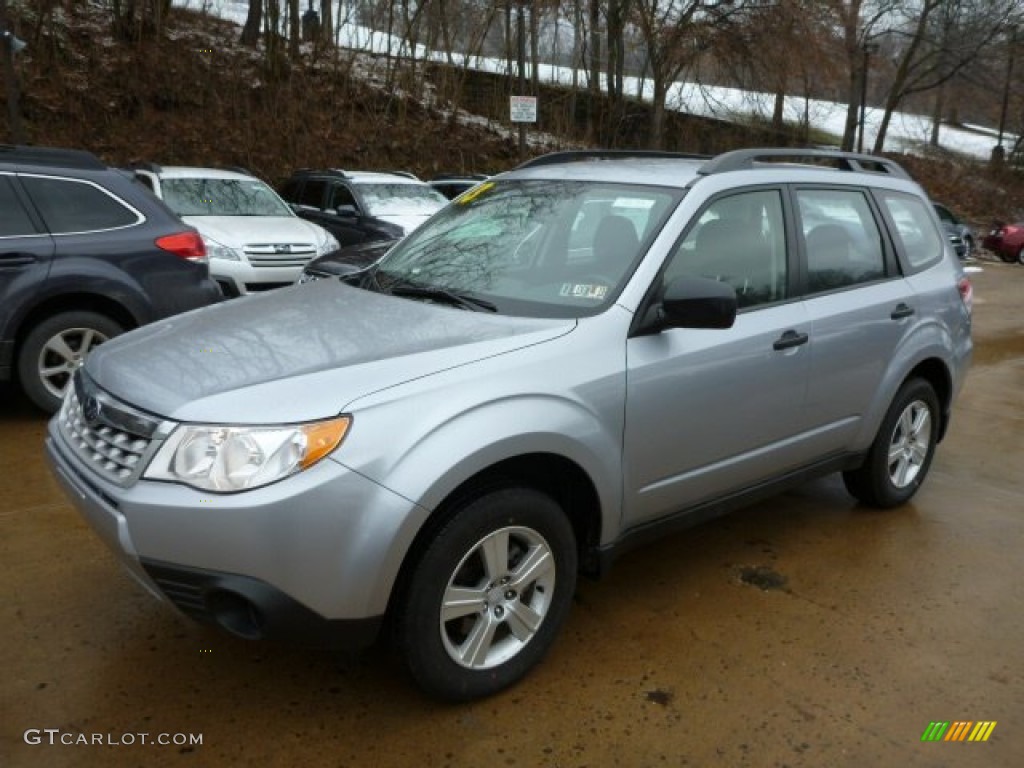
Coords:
pixel 487 596
pixel 1020 256
pixel 901 454
pixel 55 349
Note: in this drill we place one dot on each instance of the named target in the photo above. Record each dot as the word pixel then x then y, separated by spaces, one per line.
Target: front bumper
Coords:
pixel 310 559
pixel 238 278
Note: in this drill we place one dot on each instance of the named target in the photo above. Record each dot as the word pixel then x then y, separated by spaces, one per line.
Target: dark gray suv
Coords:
pixel 571 358
pixel 85 254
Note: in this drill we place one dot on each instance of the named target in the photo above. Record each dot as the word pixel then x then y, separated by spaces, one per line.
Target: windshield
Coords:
pixel 401 199
pixel 222 197
pixel 533 248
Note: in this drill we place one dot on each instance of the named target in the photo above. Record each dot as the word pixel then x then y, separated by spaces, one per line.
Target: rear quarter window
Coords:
pixel 14 221
pixel 920 241
pixel 71 206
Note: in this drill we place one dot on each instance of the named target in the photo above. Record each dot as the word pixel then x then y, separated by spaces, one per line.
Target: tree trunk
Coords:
pixel 940 98
pixel 534 48
pixel 253 22
pixel 294 29
pixel 326 22
pixel 658 113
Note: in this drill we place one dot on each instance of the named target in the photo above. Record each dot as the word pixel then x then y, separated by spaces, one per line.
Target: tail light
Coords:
pixel 966 293
pixel 187 245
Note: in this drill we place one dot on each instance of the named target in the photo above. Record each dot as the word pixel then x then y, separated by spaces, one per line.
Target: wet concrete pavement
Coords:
pixel 873 625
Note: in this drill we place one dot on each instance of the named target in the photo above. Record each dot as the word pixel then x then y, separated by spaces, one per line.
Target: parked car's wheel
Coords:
pixel 968 247
pixel 901 454
pixel 1007 257
pixel 55 349
pixel 488 594
pixel 1020 255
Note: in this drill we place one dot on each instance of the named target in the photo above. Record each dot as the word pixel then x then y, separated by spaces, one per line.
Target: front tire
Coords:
pixel 488 594
pixel 1020 256
pixel 901 454
pixel 55 349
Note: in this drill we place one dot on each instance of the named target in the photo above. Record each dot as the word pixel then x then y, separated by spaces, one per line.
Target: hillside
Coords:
pixel 196 96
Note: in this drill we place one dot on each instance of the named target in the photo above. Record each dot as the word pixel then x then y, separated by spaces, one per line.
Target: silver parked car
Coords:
pixel 573 357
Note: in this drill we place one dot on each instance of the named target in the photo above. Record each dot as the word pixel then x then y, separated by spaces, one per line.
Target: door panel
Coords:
pixel 710 411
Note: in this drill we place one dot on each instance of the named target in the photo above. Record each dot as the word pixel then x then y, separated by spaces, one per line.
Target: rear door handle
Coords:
pixel 902 310
pixel 790 339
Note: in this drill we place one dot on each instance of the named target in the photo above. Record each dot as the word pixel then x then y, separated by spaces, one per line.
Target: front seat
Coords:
pixel 615 246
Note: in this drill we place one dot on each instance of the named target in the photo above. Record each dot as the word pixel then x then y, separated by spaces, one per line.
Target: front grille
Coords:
pixel 280 254
pixel 188 597
pixel 116 443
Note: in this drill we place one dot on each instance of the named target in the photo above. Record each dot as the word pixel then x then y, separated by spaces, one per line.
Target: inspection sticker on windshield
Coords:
pixel 583 290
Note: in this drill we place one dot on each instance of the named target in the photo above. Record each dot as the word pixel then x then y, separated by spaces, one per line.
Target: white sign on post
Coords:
pixel 523 109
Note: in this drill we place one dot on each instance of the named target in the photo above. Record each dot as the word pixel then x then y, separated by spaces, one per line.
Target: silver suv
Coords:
pixel 589 351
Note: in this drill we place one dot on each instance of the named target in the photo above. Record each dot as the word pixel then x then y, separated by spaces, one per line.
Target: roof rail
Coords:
pixel 75 158
pixel 145 166
pixel 578 155
pixel 320 172
pixel 745 159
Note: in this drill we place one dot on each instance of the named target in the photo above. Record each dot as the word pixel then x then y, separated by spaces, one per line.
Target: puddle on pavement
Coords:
pixel 762 577
pixel 996 349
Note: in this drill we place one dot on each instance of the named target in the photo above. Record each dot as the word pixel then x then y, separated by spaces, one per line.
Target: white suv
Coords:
pixel 254 240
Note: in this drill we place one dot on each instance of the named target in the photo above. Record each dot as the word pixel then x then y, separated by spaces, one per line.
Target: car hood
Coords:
pixel 298 353
pixel 239 231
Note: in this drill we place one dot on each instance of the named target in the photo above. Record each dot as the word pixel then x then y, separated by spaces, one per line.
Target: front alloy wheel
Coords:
pixel 487 595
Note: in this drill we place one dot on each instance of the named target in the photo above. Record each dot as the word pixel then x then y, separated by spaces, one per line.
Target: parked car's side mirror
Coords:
pixel 346 210
pixel 698 302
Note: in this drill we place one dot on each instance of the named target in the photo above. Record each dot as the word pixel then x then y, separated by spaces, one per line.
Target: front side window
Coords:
pixel 842 241
pixel 71 206
pixel 222 197
pixel 739 240
pixel 14 222
pixel 518 245
pixel 922 243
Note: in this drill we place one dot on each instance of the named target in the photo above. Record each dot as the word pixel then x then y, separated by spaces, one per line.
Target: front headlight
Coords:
pixel 229 459
pixel 217 250
pixel 327 246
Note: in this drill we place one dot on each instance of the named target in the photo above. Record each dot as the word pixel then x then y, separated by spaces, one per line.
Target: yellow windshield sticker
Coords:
pixel 472 194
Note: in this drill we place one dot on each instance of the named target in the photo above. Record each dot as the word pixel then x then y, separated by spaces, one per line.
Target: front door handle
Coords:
pixel 17 259
pixel 902 310
pixel 790 339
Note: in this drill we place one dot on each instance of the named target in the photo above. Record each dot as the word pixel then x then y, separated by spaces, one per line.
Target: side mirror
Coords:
pixel 698 302
pixel 346 210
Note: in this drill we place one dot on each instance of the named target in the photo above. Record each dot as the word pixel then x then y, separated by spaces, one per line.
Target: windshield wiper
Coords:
pixel 414 290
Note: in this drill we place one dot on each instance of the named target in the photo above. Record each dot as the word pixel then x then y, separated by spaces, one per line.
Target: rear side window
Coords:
pixel 312 194
pixel 15 221
pixel 68 206
pixel 841 238
pixel 922 243
pixel 340 195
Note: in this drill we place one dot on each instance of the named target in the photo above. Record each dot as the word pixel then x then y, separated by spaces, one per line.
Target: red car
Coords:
pixel 1007 242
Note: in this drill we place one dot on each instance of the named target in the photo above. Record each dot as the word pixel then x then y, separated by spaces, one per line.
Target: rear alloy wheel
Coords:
pixel 55 349
pixel 902 452
pixel 1020 256
pixel 488 594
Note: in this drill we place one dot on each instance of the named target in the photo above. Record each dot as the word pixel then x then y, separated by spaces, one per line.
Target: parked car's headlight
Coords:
pixel 229 458
pixel 327 246
pixel 217 250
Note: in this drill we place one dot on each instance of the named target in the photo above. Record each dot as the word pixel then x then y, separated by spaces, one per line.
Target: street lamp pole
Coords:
pixel 866 48
pixel 521 35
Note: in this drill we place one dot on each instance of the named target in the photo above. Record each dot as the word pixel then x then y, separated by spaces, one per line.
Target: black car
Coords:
pixel 362 206
pixel 85 254
pixel 346 261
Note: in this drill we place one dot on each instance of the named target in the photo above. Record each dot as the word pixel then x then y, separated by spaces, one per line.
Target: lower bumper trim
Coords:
pixel 254 610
